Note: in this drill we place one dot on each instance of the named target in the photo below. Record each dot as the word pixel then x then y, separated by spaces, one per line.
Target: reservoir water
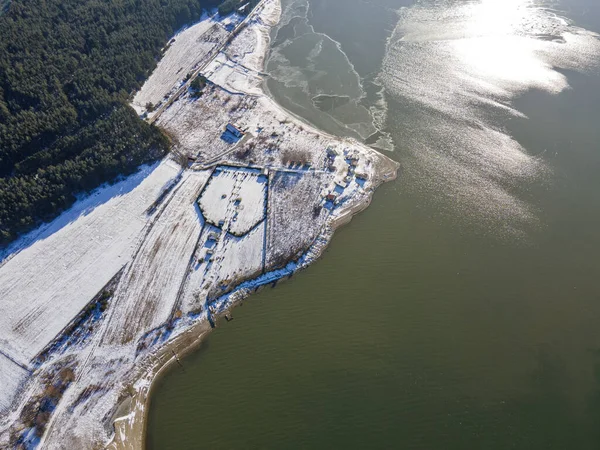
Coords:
pixel 462 309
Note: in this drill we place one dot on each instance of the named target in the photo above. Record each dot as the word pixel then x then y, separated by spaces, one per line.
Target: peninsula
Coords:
pixel 94 305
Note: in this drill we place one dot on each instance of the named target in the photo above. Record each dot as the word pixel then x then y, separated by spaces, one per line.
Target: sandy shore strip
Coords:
pixel 130 425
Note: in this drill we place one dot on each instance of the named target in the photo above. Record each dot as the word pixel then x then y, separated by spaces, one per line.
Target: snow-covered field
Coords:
pixel 11 377
pixel 150 286
pixel 234 260
pixel 187 50
pixel 186 242
pixel 68 261
pixel 296 213
pixel 239 67
pixel 237 195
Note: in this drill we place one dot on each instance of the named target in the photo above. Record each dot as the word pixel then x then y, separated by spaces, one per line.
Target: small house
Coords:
pixel 234 130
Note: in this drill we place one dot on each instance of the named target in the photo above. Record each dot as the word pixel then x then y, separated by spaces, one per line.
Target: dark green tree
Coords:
pixel 67 71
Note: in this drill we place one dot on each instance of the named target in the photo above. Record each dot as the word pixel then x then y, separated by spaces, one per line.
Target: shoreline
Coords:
pixel 108 373
pixel 130 427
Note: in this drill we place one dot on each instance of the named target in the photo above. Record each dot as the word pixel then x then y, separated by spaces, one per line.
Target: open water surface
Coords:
pixel 462 309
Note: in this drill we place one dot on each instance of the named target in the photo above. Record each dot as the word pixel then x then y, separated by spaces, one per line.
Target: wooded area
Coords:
pixel 67 70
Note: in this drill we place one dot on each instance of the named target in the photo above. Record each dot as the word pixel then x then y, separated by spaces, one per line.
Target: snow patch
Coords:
pixel 46 284
pixel 234 200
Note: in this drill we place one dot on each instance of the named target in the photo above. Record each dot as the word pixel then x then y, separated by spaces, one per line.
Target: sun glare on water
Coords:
pixel 463 63
pixel 498 16
pixel 506 43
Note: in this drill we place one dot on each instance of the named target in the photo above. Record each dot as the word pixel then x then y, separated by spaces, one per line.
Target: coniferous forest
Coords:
pixel 67 71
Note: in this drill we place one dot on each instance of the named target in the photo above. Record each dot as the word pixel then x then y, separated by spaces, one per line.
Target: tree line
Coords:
pixel 67 71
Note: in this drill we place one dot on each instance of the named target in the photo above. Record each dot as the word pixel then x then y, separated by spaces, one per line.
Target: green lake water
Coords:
pixel 462 309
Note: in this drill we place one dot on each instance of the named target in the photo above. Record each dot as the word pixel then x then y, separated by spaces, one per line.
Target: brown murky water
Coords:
pixel 462 309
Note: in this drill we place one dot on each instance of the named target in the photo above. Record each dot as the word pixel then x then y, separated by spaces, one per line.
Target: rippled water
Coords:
pixel 458 67
pixel 461 310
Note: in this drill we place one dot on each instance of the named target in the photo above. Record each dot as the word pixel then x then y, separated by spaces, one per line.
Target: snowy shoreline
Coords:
pixel 184 242
pixel 131 425
pixel 133 430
